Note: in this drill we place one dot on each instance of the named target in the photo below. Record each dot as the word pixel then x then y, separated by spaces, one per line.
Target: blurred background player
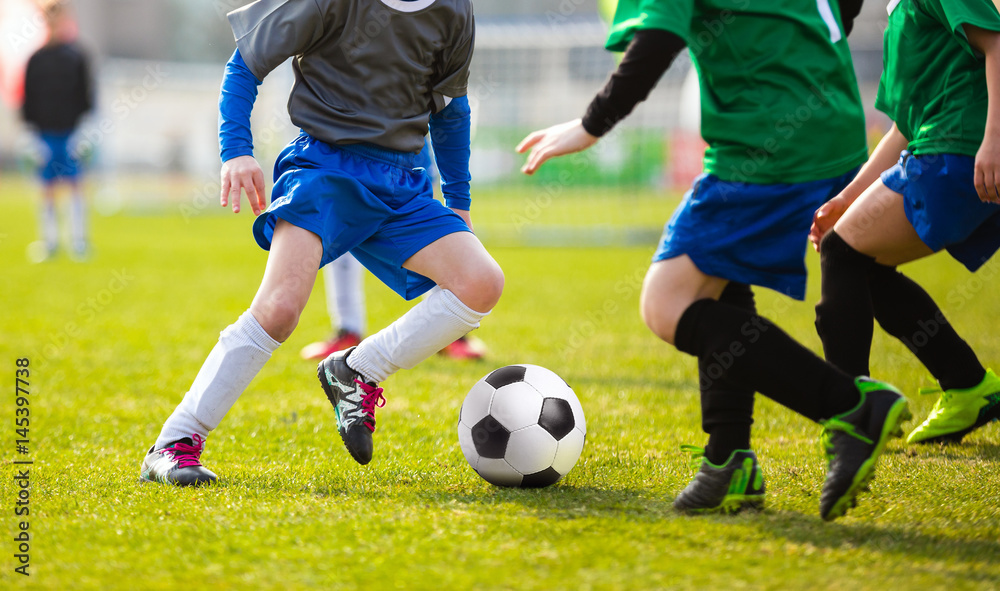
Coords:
pixel 344 286
pixel 941 87
pixel 57 93
pixel 744 222
pixel 349 182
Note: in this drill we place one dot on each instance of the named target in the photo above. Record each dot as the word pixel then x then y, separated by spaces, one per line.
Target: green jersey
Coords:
pixel 779 100
pixel 933 82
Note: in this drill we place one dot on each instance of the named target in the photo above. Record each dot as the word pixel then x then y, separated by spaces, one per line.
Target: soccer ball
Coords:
pixel 521 425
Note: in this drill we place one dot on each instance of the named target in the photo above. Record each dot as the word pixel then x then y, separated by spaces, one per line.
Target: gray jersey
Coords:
pixel 365 70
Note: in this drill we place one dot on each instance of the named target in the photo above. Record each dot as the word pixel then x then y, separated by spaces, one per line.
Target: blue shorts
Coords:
pixel 940 201
pixel 59 163
pixel 750 233
pixel 376 203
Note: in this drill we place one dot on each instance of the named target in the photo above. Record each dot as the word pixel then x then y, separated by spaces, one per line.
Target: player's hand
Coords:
pixel 987 170
pixel 243 173
pixel 825 218
pixel 464 214
pixel 557 140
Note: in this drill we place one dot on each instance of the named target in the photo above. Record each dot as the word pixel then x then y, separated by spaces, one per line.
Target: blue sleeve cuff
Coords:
pixel 450 130
pixel 236 99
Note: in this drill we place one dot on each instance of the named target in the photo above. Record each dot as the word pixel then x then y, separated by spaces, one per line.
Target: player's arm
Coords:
pixel 240 171
pixel 267 33
pixel 87 84
pixel 451 130
pixel 29 106
pixel 883 158
pixel 648 56
pixel 987 168
pixel 849 10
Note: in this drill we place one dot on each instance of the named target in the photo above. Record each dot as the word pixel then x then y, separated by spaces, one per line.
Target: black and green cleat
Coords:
pixel 959 412
pixel 736 485
pixel 854 440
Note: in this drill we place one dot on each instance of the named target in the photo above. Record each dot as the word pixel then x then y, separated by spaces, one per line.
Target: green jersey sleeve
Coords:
pixel 634 15
pixel 952 14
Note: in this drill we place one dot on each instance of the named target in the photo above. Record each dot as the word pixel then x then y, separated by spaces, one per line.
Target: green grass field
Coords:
pixel 114 343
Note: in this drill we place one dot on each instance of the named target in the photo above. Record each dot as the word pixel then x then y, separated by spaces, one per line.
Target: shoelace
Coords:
pixel 945 394
pixel 697 454
pixel 186 456
pixel 831 425
pixel 372 398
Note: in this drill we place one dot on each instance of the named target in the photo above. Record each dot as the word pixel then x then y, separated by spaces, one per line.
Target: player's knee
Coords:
pixel 278 317
pixel 658 318
pixel 481 288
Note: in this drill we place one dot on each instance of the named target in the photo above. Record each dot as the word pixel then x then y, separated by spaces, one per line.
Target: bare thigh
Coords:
pixel 460 263
pixel 288 279
pixel 876 225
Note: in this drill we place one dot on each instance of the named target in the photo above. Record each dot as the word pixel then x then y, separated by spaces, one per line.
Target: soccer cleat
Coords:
pixel 354 400
pixel 736 485
pixel 854 440
pixel 338 342
pixel 467 347
pixel 959 412
pixel 178 463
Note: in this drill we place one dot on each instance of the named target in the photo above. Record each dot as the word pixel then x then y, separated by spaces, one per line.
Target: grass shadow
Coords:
pixel 907 543
pixel 984 450
pixel 566 502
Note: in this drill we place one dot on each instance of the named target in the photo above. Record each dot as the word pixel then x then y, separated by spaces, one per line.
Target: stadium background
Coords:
pixel 158 66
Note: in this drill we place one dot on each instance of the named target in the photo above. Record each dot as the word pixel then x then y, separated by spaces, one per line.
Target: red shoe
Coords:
pixel 467 347
pixel 323 349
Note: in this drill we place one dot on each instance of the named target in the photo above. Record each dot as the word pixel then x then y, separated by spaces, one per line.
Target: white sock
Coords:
pixel 78 219
pixel 243 349
pixel 50 225
pixel 427 328
pixel 345 294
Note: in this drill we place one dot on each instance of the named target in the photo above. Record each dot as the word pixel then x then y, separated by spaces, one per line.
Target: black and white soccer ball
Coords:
pixel 522 425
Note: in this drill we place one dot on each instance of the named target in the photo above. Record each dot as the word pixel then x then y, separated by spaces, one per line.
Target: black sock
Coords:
pixel 726 406
pixel 844 312
pixel 754 353
pixel 908 313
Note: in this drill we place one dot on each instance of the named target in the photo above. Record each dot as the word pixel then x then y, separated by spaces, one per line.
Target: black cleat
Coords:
pixel 736 485
pixel 854 440
pixel 354 400
pixel 178 463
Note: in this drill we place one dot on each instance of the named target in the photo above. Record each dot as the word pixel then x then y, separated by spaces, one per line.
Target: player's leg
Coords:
pixel 671 286
pixel 348 302
pixel 677 304
pixel 873 232
pixel 50 219
pixel 946 216
pixel 242 350
pixel 343 282
pixel 48 175
pixel 726 405
pixel 78 219
pixel 860 281
pixel 471 283
pixel 971 394
pixel 726 416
